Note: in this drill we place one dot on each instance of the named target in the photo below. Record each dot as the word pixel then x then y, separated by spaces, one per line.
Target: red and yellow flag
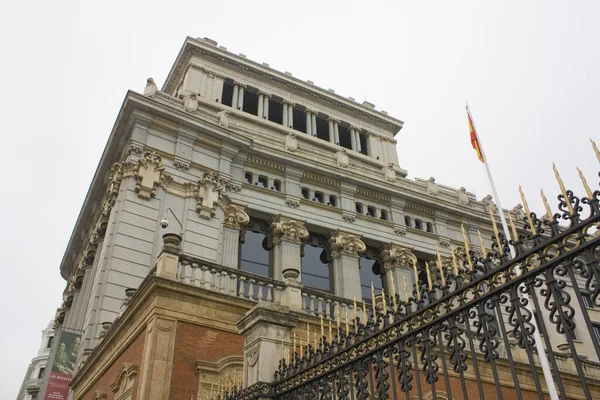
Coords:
pixel 474 140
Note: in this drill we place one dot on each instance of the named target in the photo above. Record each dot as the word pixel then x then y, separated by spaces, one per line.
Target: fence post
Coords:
pixel 168 259
pixel 266 329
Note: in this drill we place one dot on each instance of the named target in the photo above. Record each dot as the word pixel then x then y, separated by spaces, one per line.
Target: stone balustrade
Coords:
pixel 229 281
pixel 318 303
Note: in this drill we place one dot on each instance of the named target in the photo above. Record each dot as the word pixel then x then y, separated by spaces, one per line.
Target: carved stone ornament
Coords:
pixel 284 228
pixel 235 216
pixel 340 242
pixel 181 164
pixel 291 143
pixel 389 172
pixel 488 203
pixel 349 217
pixel 148 175
pixel 400 230
pixel 292 202
pixel 393 256
pixel 343 161
pixel 209 190
pixel 462 196
pixel 190 103
pixel 444 242
pixel 252 358
pixel 150 89
pixel 519 213
pixel 223 118
pixel 431 187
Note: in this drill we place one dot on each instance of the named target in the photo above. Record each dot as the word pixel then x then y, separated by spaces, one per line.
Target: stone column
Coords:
pixel 397 264
pixel 331 130
pixel 313 122
pixel 289 111
pixel 240 102
pixel 285 237
pixel 234 218
pixel 284 117
pixel 353 138
pixel 234 97
pixel 344 252
pixel 266 105
pixel 266 329
pixel 261 104
pixel 337 131
pixel 308 115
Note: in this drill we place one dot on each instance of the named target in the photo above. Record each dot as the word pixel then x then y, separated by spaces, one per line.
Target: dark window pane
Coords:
pixel 368 275
pixel 254 257
pixel 315 273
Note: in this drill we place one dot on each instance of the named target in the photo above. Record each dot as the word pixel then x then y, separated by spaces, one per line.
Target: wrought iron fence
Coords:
pixel 468 331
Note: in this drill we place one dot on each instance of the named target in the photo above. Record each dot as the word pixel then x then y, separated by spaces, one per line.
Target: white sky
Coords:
pixel 529 69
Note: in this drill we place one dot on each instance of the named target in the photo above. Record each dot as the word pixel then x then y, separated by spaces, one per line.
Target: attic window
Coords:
pixel 371 211
pixel 306 193
pixel 429 227
pixel 319 197
pixel 332 201
pixel 359 208
pixel 248 177
pixel 384 215
pixel 277 185
pixel 418 224
pixel 345 140
pixel 263 181
pixel 363 144
pixel 407 221
pixel 322 128
pixel 299 120
pixel 275 112
pixel 227 95
pixel 250 102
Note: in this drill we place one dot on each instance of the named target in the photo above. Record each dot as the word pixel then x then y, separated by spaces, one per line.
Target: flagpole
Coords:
pixel 536 333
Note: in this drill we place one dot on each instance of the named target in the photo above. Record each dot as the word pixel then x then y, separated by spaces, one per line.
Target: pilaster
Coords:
pixel 266 329
pixel 344 252
pixel 234 218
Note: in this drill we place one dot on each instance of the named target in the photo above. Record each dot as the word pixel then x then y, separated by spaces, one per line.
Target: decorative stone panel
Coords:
pixel 149 175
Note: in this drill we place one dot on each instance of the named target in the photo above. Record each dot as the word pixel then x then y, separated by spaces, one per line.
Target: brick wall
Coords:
pixel 132 355
pixel 193 343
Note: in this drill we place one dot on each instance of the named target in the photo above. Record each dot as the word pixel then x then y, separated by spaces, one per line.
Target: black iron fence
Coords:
pixel 468 330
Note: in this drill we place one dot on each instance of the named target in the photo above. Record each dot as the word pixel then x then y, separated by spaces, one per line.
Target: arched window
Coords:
pixel 315 266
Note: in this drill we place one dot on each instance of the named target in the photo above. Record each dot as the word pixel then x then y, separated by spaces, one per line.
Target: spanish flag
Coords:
pixel 474 139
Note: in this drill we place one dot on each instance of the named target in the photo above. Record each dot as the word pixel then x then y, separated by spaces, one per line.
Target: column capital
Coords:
pixel 341 242
pixel 392 256
pixel 337 121
pixel 356 128
pixel 240 84
pixel 289 103
pixel 234 214
pixel 308 110
pixel 285 228
pixel 264 93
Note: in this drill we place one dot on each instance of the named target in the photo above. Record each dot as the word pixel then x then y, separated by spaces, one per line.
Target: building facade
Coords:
pixel 233 185
pixel 32 382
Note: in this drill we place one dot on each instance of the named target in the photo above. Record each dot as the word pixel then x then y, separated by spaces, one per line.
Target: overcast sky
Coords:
pixel 529 69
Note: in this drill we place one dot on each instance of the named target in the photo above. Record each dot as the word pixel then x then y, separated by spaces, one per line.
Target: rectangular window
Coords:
pixel 320 197
pixel 248 177
pixel 50 340
pixel 299 120
pixel 263 181
pixel 345 140
pixel 429 227
pixel 41 373
pixel 332 201
pixel 277 185
pixel 418 224
pixel 322 129
pixel 369 273
pixel 384 215
pixel 275 112
pixel 363 144
pixel 596 331
pixel 315 268
pixel 227 95
pixel 306 193
pixel 359 208
pixel 254 255
pixel 250 102
pixel 371 211
pixel 407 221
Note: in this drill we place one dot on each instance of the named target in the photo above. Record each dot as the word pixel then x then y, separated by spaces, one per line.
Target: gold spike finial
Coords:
pixel 429 284
pixel 527 212
pixel 546 205
pixel 416 278
pixel 595 149
pixel 590 195
pixel 513 227
pixel 483 250
pixel 440 265
pixel 467 251
pixel 563 190
pixel 496 233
